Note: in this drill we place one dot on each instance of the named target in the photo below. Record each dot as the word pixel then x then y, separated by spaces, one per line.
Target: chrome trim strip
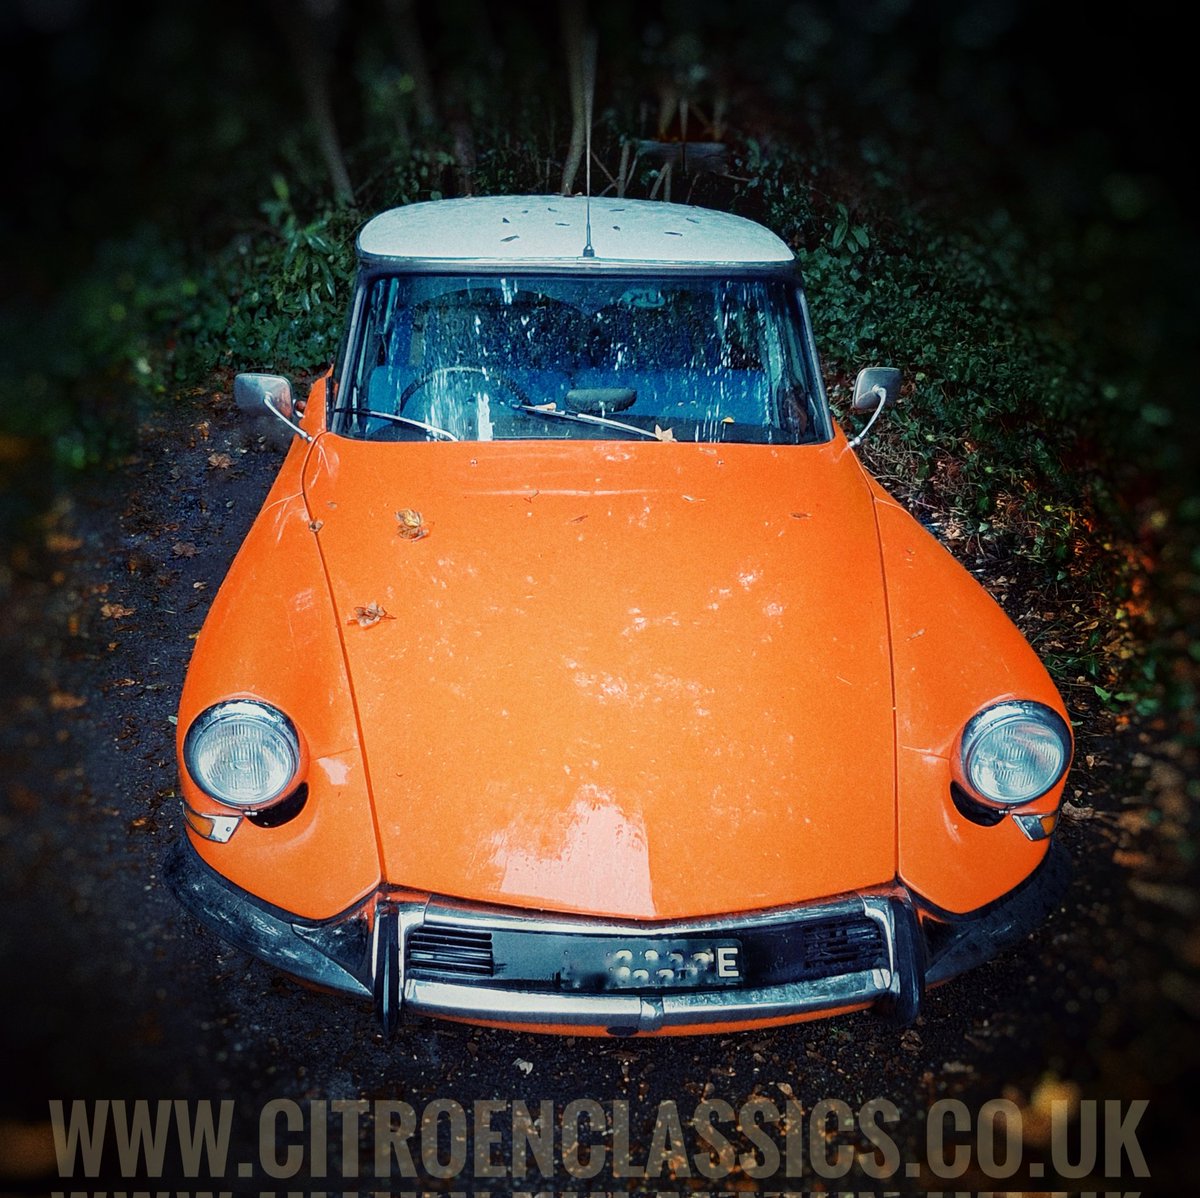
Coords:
pixel 643 1013
pixel 497 919
pixel 881 912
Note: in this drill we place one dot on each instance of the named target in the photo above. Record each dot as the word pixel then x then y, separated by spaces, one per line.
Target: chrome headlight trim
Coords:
pixel 278 745
pixel 1046 751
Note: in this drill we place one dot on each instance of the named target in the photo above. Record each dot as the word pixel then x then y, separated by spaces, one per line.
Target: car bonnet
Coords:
pixel 632 679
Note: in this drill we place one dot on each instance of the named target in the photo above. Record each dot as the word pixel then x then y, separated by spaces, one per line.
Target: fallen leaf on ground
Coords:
pixel 61 701
pixel 59 542
pixel 1129 860
pixel 220 461
pixel 116 611
pixel 184 549
pixel 1177 898
pixel 27 1149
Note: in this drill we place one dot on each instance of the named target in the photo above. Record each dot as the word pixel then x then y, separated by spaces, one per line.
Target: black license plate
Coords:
pixel 652 963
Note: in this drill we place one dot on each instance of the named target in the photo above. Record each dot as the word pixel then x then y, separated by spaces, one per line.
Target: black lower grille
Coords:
pixel 840 946
pixel 818 948
pixel 450 952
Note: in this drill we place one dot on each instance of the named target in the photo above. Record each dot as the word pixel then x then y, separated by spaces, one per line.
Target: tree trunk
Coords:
pixel 299 23
pixel 573 44
pixel 410 49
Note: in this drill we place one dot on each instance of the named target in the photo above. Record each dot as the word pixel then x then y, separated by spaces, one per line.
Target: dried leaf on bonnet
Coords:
pixel 367 617
pixel 409 525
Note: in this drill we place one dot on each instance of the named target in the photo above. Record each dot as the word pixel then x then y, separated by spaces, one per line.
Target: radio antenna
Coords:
pixel 589 91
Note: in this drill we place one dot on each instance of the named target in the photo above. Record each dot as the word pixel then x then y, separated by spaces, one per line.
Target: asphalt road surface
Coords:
pixel 109 991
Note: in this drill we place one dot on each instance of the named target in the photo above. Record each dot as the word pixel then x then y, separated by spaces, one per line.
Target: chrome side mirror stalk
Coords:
pixel 286 420
pixel 876 388
pixel 252 392
pixel 857 440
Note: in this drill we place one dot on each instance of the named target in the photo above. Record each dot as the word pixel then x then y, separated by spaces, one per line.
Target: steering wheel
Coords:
pixel 441 372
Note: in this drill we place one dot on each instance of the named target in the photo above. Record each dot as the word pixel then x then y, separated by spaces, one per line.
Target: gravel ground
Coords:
pixel 108 990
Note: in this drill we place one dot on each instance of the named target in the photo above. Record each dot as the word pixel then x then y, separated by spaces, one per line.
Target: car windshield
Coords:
pixel 516 357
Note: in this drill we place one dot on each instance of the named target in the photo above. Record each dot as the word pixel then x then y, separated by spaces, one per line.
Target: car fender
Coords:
pixel 272 634
pixel 954 652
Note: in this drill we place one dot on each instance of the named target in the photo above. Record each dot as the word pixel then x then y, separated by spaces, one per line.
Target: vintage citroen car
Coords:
pixel 576 676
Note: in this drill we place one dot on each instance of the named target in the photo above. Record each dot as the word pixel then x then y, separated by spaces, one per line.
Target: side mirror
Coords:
pixel 876 387
pixel 253 392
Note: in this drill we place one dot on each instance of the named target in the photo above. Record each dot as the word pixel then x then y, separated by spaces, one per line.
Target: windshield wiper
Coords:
pixel 421 424
pixel 586 418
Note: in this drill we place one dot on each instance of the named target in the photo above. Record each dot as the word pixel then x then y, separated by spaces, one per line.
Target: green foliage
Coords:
pixel 148 316
pixel 968 310
pixel 281 294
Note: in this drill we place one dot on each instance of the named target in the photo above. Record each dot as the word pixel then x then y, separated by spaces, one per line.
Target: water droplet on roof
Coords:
pixel 672 233
pixel 514 237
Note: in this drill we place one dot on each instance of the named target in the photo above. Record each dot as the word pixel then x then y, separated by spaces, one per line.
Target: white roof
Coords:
pixel 553 228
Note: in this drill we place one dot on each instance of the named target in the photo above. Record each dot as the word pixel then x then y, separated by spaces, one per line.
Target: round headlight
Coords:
pixel 243 753
pixel 1014 752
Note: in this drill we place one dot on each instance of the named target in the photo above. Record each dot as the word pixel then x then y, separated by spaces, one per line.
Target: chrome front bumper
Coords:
pixel 367 952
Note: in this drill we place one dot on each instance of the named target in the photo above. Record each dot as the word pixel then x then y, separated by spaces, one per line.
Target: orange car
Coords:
pixel 575 675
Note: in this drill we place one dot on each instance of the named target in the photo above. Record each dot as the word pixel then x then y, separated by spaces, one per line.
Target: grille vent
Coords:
pixel 839 946
pixel 450 952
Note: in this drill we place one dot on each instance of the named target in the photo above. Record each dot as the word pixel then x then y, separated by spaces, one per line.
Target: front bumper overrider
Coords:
pixel 432 956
